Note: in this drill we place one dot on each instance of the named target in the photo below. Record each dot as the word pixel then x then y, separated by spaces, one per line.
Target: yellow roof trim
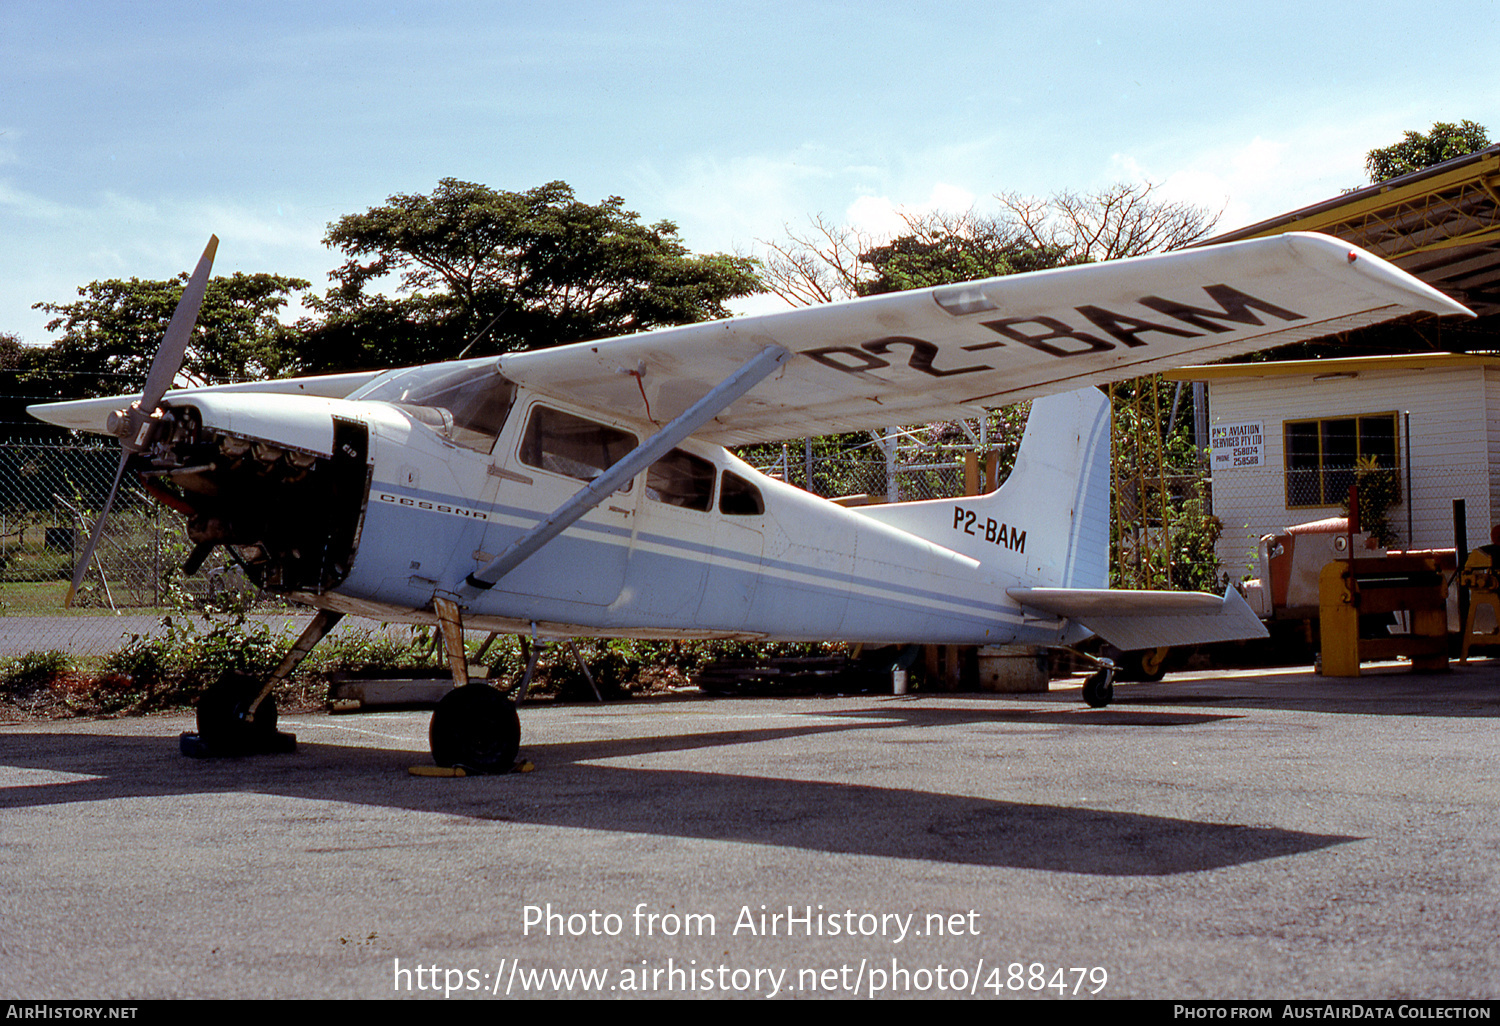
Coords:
pixel 1404 363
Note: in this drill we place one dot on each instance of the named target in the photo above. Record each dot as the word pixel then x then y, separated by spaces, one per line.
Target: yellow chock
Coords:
pixel 436 771
pixel 521 766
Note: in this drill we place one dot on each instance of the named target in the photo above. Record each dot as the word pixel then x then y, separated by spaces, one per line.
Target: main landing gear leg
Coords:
pixel 237 713
pixel 474 728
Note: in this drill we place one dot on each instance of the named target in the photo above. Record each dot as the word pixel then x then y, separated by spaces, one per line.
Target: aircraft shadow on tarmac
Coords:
pixel 1464 691
pixel 569 791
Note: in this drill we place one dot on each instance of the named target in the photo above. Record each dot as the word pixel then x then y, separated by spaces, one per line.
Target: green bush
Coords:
pixel 172 666
pixel 26 674
pixel 364 651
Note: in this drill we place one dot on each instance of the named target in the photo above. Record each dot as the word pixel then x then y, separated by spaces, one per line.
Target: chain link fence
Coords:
pixel 838 476
pixel 900 466
pixel 50 494
pixel 1403 507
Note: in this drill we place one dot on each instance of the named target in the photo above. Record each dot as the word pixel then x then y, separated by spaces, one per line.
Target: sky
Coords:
pixel 129 132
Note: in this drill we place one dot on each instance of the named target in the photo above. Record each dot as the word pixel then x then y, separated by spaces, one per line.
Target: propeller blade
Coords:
pixel 164 368
pixel 168 359
pixel 94 535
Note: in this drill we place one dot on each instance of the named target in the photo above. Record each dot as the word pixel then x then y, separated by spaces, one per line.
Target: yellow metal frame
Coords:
pixel 1428 212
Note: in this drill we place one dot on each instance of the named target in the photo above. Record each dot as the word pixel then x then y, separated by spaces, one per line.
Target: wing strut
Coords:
pixel 714 402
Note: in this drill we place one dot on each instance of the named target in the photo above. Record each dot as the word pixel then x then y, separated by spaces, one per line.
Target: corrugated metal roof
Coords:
pixel 1441 224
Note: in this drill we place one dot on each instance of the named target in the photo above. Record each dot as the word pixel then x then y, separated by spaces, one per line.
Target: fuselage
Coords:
pixel 428 474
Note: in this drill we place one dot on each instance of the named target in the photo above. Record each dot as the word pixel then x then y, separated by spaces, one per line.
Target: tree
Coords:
pixel 941 249
pixel 829 261
pixel 12 352
pixel 821 265
pixel 110 335
pixel 521 269
pixel 17 391
pixel 1123 220
pixel 1417 151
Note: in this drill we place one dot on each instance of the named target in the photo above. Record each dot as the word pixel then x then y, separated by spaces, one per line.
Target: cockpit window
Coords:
pixel 466 403
pixel 569 445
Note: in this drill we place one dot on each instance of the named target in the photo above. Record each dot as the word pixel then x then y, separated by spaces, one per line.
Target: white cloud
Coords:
pixel 728 204
pixel 880 216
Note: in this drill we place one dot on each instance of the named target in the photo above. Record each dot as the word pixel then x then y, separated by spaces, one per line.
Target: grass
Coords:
pixel 45 598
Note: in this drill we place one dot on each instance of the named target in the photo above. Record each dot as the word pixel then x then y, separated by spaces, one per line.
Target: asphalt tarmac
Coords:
pixel 1255 835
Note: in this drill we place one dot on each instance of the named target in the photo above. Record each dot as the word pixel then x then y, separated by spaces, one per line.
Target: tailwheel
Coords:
pixel 1099 687
pixel 475 728
pixel 1147 664
pixel 225 725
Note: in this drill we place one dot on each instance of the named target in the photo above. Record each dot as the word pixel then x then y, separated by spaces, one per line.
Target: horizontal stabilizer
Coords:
pixel 1132 620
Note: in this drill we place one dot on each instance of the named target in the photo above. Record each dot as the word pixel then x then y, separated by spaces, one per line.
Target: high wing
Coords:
pixel 953 351
pixel 90 414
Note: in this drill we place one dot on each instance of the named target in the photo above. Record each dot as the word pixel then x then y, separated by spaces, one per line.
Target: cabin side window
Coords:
pixel 740 498
pixel 681 479
pixel 573 446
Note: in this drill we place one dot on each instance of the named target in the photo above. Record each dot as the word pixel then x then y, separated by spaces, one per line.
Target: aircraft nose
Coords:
pixel 295 423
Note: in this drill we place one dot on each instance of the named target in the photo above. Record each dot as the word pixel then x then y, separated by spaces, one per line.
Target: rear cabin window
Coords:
pixel 573 446
pixel 681 479
pixel 740 498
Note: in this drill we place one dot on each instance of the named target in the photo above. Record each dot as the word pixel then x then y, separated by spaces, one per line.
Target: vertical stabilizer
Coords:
pixel 1048 525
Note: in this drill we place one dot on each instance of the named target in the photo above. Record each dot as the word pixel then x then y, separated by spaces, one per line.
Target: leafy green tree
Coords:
pixel 827 261
pixel 505 271
pixel 111 333
pixel 11 351
pixel 1417 151
pixel 942 249
pixel 17 391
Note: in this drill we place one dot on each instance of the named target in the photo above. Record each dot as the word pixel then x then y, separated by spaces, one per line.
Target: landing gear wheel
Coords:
pixel 1146 664
pixel 1099 688
pixel 475 728
pixel 222 725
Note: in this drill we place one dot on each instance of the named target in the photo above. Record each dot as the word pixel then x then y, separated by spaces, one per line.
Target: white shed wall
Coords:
pixel 1455 451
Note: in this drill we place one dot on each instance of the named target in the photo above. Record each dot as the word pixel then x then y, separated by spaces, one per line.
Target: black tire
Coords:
pixel 1098 689
pixel 221 717
pixel 475 727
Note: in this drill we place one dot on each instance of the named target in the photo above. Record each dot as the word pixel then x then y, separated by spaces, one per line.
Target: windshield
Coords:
pixel 465 402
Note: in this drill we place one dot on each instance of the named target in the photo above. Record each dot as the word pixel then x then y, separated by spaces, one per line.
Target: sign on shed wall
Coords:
pixel 1236 445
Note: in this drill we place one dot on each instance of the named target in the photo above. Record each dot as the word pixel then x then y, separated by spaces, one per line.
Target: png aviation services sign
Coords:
pixel 1236 445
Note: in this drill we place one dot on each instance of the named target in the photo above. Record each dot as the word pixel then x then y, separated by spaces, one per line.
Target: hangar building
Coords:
pixel 1419 402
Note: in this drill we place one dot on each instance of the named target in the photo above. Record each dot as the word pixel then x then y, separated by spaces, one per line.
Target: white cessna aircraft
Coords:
pixel 587 490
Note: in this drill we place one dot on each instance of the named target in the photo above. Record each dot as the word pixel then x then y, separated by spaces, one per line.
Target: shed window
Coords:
pixel 1324 457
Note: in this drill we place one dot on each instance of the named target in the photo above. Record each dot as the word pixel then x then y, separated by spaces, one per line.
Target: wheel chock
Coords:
pixel 521 766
